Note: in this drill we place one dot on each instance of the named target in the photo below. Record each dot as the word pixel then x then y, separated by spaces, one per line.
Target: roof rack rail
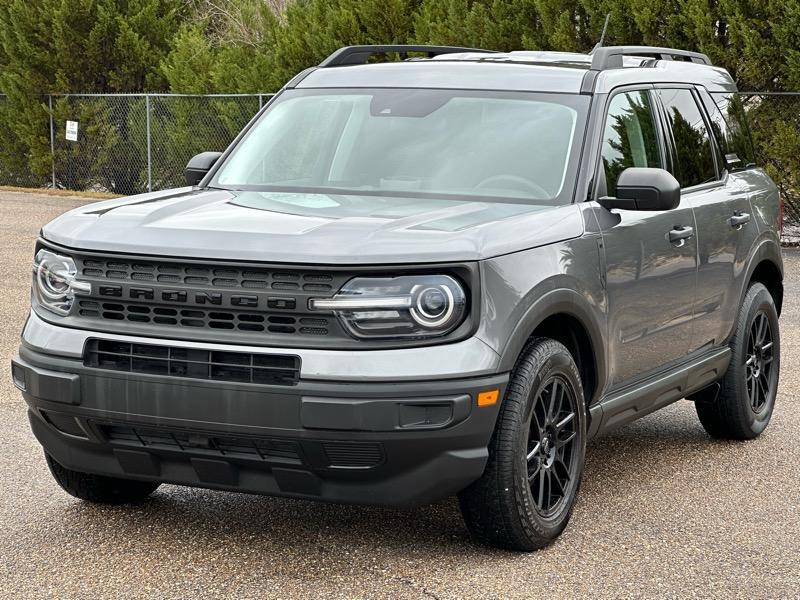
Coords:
pixel 359 55
pixel 610 57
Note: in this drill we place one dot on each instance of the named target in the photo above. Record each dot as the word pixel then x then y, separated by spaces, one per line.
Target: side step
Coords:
pixel 631 403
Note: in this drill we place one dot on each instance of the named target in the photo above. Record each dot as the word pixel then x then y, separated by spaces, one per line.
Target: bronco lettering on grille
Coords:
pixel 181 296
pixel 208 297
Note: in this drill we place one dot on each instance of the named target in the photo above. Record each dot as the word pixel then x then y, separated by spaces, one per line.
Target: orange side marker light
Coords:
pixel 488 398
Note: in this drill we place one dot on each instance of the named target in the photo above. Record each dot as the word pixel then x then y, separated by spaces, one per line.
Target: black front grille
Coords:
pixel 198 318
pixel 209 302
pixel 238 367
pixel 153 438
pixel 230 277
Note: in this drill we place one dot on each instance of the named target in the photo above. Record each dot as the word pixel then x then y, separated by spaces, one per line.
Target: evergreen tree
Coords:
pixel 223 51
pixel 235 46
pixel 495 24
pixel 86 46
pixel 189 67
pixel 311 29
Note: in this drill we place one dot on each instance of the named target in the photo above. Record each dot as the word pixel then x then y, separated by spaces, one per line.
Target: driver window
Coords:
pixel 630 137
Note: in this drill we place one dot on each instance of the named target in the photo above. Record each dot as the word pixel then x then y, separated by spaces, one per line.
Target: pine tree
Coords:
pixel 312 29
pixel 190 66
pixel 494 24
pixel 201 46
pixel 63 46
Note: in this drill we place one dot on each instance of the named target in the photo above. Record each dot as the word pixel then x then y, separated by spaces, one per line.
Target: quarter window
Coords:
pixel 693 150
pixel 629 138
pixel 728 113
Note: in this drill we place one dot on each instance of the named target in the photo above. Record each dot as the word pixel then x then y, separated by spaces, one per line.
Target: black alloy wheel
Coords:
pixel 758 365
pixel 551 445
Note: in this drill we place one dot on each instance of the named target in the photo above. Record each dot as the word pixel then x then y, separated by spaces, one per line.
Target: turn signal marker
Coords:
pixel 488 398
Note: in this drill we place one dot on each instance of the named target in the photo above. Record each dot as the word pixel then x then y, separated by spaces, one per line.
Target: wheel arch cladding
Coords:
pixel 560 315
pixel 765 271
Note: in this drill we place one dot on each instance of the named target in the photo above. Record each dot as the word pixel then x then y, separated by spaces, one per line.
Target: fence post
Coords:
pixel 260 102
pixel 52 140
pixel 149 146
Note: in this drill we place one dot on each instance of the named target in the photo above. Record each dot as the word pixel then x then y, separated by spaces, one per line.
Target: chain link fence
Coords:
pixel 128 144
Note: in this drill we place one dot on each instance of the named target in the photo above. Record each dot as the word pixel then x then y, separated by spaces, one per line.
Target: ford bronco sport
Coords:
pixel 407 280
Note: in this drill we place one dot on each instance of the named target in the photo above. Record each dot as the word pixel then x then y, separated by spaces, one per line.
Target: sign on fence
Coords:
pixel 72 131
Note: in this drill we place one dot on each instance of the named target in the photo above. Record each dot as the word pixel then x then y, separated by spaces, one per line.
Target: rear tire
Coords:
pixel 746 399
pixel 524 499
pixel 99 488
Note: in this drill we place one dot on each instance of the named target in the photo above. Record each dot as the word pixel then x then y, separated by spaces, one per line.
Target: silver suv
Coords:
pixel 413 279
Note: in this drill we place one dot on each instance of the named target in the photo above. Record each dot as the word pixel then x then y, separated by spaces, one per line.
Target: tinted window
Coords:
pixel 728 113
pixel 630 138
pixel 695 157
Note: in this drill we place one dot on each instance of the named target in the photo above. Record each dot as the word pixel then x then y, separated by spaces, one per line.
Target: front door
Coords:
pixel 651 257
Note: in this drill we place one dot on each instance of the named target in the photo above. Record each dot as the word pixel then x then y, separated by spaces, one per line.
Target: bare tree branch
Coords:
pixel 236 21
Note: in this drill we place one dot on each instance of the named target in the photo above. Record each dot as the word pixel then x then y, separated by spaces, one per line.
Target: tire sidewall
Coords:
pixel 558 363
pixel 758 299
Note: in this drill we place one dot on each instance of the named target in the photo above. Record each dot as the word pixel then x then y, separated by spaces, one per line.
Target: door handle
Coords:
pixel 679 235
pixel 739 219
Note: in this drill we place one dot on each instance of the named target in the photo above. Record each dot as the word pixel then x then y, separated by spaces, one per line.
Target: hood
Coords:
pixel 313 228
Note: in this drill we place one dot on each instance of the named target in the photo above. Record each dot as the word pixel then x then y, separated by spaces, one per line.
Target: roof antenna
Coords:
pixel 602 35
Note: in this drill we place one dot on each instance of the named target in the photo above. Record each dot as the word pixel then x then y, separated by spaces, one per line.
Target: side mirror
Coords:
pixel 199 166
pixel 644 188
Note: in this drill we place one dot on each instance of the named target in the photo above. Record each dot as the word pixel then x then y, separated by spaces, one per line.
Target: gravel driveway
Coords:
pixel 664 511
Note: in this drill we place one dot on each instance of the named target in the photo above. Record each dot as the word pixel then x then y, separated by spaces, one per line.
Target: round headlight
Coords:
pixel 53 277
pixel 433 306
pixel 54 283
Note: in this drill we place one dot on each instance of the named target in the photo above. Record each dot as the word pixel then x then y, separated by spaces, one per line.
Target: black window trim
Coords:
pixel 721 174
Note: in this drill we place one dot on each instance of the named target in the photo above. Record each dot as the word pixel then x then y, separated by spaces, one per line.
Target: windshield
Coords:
pixel 445 144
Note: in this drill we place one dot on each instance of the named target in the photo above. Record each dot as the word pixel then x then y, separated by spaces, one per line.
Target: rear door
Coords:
pixel 650 281
pixel 725 228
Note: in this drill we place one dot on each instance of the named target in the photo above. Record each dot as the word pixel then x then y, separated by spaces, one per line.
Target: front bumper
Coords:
pixel 385 443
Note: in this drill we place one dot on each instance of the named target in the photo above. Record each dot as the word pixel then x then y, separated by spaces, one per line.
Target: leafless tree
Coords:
pixel 236 21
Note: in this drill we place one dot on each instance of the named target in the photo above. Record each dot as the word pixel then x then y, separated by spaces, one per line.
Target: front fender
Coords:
pixel 559 301
pixel 525 288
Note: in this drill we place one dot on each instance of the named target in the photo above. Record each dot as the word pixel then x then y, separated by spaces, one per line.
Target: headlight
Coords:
pixel 54 284
pixel 420 306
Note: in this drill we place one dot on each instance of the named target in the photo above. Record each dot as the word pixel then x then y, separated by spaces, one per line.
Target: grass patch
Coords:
pixel 60 193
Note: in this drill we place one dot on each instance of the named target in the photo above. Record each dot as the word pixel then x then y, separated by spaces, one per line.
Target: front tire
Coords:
pixel 748 390
pixel 99 488
pixel 524 499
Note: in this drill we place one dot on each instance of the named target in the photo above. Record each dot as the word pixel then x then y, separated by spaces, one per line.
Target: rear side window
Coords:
pixel 629 137
pixel 694 153
pixel 728 113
